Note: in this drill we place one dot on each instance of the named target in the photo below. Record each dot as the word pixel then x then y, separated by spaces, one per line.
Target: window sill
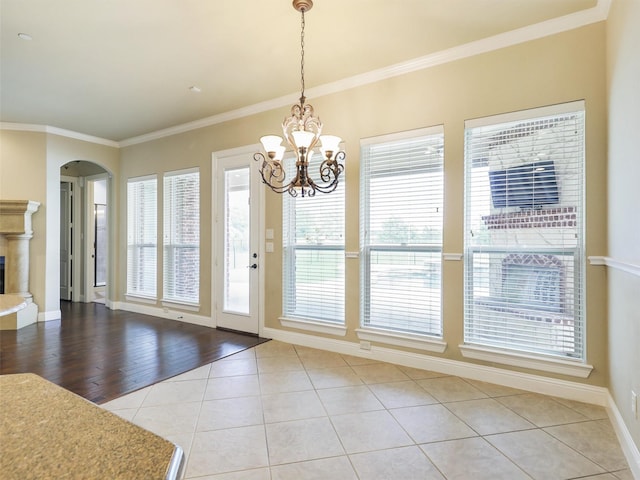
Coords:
pixel 410 340
pixel 193 307
pixel 314 326
pixel 140 298
pixel 573 368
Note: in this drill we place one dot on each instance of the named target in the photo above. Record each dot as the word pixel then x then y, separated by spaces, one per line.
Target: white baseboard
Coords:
pixel 49 315
pixel 180 316
pixel 524 381
pixel 629 448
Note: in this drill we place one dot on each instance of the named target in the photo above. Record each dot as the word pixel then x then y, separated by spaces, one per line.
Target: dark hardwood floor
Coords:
pixel 101 354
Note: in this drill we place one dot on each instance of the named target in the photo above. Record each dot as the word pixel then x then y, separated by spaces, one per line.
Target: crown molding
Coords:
pixel 547 28
pixel 485 45
pixel 496 42
pixel 26 127
pixel 265 106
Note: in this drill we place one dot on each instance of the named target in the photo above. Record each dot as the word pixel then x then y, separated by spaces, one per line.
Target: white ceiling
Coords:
pixel 118 69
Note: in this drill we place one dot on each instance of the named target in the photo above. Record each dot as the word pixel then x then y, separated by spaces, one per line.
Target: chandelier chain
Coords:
pixel 302 97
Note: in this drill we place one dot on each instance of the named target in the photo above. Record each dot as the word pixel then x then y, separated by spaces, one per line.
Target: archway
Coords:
pixel 84 231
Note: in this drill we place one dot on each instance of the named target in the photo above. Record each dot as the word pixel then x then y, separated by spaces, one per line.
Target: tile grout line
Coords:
pixel 388 409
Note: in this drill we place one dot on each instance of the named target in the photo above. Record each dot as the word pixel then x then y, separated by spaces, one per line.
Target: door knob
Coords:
pixel 254 266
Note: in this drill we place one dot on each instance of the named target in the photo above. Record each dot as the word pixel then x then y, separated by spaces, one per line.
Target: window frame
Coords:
pixel 134 208
pixel 290 294
pixel 425 340
pixel 528 356
pixel 169 245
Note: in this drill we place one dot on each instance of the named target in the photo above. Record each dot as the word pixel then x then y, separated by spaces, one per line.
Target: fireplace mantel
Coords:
pixel 15 216
pixel 16 230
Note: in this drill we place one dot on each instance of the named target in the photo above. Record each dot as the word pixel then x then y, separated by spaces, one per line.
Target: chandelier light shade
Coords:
pixel 302 132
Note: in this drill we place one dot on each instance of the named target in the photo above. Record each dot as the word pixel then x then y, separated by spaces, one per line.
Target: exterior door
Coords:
pixel 237 263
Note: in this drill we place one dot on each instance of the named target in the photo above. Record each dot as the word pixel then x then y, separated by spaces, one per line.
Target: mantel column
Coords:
pixel 15 226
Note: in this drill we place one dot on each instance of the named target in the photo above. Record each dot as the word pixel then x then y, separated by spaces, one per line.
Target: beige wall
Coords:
pixel 22 177
pixel 62 150
pixel 623 75
pixel 30 170
pixel 561 68
pixel 187 150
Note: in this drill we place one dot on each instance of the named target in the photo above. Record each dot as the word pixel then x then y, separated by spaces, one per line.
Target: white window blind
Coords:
pixel 524 235
pixel 142 236
pixel 313 260
pixel 401 231
pixel 181 267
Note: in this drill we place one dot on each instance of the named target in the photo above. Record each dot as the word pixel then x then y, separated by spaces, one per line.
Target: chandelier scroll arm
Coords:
pixel 302 131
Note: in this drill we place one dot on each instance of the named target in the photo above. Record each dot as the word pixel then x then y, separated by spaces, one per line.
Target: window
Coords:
pixel 313 240
pixel 142 236
pixel 401 232
pixel 524 239
pixel 181 272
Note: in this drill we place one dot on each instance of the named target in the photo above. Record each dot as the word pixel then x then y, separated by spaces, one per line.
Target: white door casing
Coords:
pixel 66 240
pixel 237 274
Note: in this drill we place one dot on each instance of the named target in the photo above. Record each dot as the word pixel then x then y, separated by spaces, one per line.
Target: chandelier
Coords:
pixel 302 131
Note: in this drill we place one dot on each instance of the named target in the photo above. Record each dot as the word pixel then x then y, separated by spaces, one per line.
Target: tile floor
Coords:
pixel 279 411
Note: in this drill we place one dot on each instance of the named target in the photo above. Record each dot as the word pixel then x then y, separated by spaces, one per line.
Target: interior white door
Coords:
pixel 66 240
pixel 237 258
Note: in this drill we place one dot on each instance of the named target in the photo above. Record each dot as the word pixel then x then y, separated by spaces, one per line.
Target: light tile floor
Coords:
pixel 278 411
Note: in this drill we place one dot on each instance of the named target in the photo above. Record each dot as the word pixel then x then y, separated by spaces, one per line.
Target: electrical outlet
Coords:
pixel 634 405
pixel 364 345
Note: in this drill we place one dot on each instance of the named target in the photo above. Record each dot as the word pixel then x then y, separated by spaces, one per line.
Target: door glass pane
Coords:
pixel 237 257
pixel 100 257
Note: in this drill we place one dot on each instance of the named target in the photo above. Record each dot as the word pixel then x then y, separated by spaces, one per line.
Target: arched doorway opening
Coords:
pixel 84 231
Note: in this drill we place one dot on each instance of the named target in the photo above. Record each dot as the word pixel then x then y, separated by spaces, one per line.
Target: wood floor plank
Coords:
pixel 102 354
